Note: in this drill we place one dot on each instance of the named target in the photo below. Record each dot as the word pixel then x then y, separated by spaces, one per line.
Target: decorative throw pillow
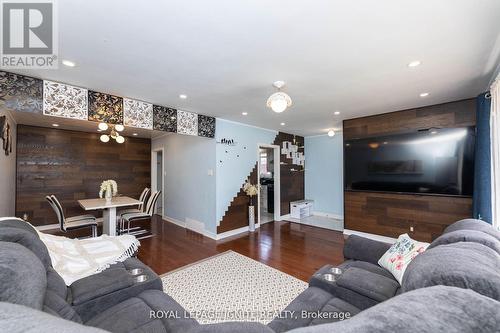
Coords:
pixel 400 254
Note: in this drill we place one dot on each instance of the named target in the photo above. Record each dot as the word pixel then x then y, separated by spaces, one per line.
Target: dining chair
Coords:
pixel 72 223
pixel 140 208
pixel 147 214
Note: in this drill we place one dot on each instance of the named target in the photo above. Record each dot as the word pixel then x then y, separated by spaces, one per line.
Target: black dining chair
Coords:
pixel 140 208
pixel 72 223
pixel 136 216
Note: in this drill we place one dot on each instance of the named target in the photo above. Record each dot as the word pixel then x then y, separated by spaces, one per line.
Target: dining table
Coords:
pixel 109 210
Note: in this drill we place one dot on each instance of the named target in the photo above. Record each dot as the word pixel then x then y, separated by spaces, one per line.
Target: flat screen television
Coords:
pixel 434 161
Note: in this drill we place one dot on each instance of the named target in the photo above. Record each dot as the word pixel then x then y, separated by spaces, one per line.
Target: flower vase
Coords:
pixel 109 196
pixel 251 218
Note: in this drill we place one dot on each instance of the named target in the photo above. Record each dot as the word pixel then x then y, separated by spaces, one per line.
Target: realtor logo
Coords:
pixel 29 34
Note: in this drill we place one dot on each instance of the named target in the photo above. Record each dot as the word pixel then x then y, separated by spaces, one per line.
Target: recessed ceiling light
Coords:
pixel 425 94
pixel 55 125
pixel 415 63
pixel 282 124
pixel 182 96
pixel 68 63
pixel 336 113
pixel 134 134
pixel 244 113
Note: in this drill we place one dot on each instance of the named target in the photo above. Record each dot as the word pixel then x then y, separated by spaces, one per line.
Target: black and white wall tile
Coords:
pixel 105 108
pixel 62 100
pixel 21 93
pixel 137 113
pixel 187 123
pixel 206 126
pixel 164 119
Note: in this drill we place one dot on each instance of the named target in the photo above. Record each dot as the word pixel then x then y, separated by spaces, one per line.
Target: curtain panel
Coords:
pixel 495 152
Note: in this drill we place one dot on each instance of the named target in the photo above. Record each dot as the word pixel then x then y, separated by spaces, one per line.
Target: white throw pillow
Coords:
pixel 400 254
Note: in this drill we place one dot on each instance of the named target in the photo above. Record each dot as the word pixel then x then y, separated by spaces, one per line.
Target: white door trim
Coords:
pixel 277 181
pixel 154 175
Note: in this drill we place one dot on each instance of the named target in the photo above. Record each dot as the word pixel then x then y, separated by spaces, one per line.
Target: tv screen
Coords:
pixel 435 161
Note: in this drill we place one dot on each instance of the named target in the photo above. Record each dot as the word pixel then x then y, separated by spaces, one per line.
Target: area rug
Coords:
pixel 231 287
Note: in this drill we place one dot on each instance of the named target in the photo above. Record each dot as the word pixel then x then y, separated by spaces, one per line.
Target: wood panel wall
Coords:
pixel 391 214
pixel 72 166
pixel 292 176
pixel 292 188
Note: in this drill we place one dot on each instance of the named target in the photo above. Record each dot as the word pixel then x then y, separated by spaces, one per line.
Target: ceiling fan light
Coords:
pixel 278 102
pixel 102 126
pixel 104 138
pixel 120 139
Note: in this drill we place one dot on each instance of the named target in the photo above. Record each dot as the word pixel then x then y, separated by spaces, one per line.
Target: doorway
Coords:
pixel 268 167
pixel 157 178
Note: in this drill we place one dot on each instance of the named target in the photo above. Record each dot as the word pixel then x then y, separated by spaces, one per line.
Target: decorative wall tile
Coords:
pixel 21 93
pixel 206 126
pixel 164 119
pixel 137 113
pixel 105 108
pixel 187 123
pixel 62 100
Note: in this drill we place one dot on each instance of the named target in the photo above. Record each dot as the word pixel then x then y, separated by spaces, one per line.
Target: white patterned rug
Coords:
pixel 231 287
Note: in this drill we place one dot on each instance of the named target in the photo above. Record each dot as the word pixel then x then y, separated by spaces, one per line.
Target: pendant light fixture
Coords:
pixel 279 101
pixel 114 134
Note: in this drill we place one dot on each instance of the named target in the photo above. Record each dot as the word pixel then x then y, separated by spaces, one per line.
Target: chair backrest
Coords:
pixel 144 195
pixel 56 206
pixel 152 203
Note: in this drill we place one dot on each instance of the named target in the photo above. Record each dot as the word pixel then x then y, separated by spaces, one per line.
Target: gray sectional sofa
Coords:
pixel 454 286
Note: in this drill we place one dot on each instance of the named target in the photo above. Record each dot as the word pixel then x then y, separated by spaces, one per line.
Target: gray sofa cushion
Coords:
pixel 22 275
pixel 435 309
pixel 465 265
pixel 364 249
pixel 15 222
pixel 472 224
pixel 312 301
pixel 21 319
pixel 467 236
pixel 232 327
pixel 56 305
pixel 94 306
pixel 56 284
pixel 134 315
pixel 374 286
pixel 27 239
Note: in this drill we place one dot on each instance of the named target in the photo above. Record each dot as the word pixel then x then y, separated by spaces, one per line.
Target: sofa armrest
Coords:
pixel 365 249
pixel 98 285
pixel 371 285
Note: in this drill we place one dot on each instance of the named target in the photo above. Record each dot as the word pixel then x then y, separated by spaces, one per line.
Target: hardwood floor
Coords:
pixel 292 248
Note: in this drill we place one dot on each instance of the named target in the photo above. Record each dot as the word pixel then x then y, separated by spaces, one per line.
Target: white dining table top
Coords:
pixel 93 204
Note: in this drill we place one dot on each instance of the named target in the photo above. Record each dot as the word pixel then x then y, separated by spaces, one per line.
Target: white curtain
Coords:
pixel 495 152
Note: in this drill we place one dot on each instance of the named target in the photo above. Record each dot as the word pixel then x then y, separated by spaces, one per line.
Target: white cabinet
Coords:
pixel 300 209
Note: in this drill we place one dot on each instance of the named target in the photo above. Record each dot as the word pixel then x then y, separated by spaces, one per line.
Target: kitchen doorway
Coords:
pixel 269 179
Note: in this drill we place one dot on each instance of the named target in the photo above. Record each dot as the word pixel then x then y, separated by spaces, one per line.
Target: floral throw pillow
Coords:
pixel 400 254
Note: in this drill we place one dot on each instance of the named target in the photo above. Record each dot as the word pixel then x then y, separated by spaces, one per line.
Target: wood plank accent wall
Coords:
pixel 292 176
pixel 72 166
pixel 292 188
pixel 391 214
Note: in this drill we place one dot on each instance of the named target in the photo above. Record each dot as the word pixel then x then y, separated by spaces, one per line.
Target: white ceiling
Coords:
pixel 349 55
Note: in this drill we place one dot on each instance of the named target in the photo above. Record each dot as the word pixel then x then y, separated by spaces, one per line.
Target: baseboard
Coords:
pixel 329 215
pixel 232 232
pixel 371 236
pixel 191 226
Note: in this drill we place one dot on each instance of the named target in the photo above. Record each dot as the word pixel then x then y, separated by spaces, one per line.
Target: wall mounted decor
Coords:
pixel 206 126
pixel 137 113
pixel 62 100
pixel 20 93
pixel 292 152
pixel 164 119
pixel 228 142
pixel 105 108
pixel 6 135
pixel 187 123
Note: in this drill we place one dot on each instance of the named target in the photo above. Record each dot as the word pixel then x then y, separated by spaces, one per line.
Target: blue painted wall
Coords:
pixel 234 163
pixel 189 190
pixel 324 173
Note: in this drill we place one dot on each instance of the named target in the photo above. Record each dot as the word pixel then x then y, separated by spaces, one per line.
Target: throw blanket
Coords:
pixel 74 259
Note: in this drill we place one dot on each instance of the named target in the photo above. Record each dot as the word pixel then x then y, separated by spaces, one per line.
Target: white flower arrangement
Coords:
pixel 250 189
pixel 108 186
